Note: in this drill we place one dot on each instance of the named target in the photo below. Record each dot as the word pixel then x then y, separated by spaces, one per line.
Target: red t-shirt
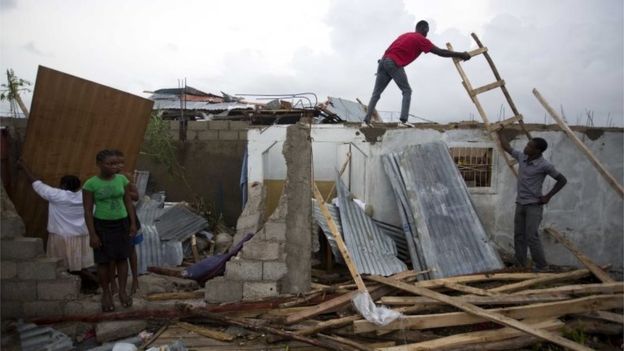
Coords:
pixel 407 47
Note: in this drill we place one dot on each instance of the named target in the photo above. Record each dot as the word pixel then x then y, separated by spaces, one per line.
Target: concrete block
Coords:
pixel 242 135
pixel 239 125
pixel 208 135
pixel 237 269
pixel 257 290
pixel 22 248
pixel 194 125
pixel 83 307
pixel 18 290
pixel 43 268
pixel 275 231
pixel 219 125
pixel 11 310
pixel 191 135
pixel 43 308
pixel 115 330
pixel 8 270
pixel 174 125
pixel 251 221
pixel 228 135
pixel 261 250
pixel 11 226
pixel 174 134
pixel 59 289
pixel 274 270
pixel 220 290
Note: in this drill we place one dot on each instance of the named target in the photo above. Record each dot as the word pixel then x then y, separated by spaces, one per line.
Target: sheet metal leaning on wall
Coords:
pixel 452 238
pixel 71 119
pixel 372 251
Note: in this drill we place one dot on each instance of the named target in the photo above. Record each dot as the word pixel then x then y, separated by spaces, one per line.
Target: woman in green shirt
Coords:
pixel 112 225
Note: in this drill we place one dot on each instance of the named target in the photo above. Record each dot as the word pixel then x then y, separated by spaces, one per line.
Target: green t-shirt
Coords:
pixel 108 196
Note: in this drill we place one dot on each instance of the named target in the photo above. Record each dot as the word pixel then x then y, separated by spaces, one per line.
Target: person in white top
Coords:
pixel 68 237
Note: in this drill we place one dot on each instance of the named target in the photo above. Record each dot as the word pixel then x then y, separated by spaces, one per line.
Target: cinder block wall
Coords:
pixel 211 157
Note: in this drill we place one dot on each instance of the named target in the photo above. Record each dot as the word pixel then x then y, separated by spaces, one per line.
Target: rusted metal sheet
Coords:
pixel 71 119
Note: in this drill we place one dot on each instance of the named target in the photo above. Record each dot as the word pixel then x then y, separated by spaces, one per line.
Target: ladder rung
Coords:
pixel 478 51
pixel 487 87
pixel 499 125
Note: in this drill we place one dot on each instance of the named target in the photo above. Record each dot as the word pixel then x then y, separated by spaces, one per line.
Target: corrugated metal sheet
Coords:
pixel 153 252
pixel 179 223
pixel 140 179
pixel 320 219
pixel 200 105
pixel 452 238
pixel 372 251
pixel 36 338
pixel 71 119
pixel 396 234
pixel 349 111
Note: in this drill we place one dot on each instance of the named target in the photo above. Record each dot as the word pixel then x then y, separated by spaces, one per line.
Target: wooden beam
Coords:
pixel 605 316
pixel 470 290
pixel 477 311
pixel 584 149
pixel 487 87
pixel 210 333
pixel 478 51
pixel 540 310
pixel 476 300
pixel 542 280
pixel 579 289
pixel 586 261
pixel 487 277
pixel 475 337
pixel 339 242
pixel 332 323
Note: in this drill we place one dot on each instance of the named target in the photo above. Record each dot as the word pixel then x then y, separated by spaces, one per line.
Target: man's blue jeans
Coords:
pixel 387 70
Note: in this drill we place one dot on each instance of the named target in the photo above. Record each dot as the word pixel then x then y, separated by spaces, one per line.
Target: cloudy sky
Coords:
pixel 572 51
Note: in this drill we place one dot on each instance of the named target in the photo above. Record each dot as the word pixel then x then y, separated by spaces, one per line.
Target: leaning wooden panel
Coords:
pixel 71 119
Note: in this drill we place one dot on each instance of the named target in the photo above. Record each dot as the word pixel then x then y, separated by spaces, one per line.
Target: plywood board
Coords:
pixel 71 119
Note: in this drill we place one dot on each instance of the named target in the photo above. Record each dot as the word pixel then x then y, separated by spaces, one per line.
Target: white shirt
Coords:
pixel 65 211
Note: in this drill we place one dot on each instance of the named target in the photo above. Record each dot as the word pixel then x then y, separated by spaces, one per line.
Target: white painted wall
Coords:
pixel 587 208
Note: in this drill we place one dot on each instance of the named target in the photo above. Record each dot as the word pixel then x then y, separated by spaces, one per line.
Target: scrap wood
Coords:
pixel 187 295
pixel 540 310
pixel 469 289
pixel 211 317
pixel 332 323
pixel 489 315
pixel 153 338
pixel 586 261
pixel 213 334
pixel 559 277
pixel 579 289
pixel 475 337
pixel 420 301
pixel 593 326
pixel 345 341
pixel 439 283
pixel 605 316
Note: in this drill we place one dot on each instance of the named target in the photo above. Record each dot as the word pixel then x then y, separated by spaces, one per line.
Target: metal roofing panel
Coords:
pixel 322 222
pixel 36 338
pixel 347 110
pixel 200 105
pixel 372 251
pixel 179 223
pixel 453 239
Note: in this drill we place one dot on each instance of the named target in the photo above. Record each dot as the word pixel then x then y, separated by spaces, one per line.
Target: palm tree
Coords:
pixel 11 92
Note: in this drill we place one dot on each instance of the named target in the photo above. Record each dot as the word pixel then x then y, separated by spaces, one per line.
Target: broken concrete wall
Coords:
pixel 587 208
pixel 211 159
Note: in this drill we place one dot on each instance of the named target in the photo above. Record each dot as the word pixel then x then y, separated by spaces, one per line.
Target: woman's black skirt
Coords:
pixel 115 238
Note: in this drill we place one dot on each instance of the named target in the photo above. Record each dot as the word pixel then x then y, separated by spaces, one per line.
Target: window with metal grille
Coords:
pixel 474 164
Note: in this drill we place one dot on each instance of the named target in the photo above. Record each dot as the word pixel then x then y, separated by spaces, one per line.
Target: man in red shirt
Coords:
pixel 405 49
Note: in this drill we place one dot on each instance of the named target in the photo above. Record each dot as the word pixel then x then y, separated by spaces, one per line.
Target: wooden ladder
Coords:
pixel 492 128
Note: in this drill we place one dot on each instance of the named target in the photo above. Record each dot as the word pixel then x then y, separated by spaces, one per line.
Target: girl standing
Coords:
pixel 112 225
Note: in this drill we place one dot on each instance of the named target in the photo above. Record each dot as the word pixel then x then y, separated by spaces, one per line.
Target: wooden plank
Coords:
pixel 339 242
pixel 478 51
pixel 586 261
pixel 487 87
pixel 491 316
pixel 470 290
pixel 210 333
pixel 499 125
pixel 542 280
pixel 487 277
pixel 605 316
pixel 476 300
pixel 345 341
pixel 539 310
pixel 475 337
pixel 579 289
pixel 332 323
pixel 584 149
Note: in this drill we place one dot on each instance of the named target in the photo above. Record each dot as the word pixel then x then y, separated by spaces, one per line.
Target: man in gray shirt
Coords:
pixel 530 202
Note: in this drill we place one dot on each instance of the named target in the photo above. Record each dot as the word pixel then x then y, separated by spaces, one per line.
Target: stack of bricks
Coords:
pixel 211 130
pixel 32 285
pixel 256 272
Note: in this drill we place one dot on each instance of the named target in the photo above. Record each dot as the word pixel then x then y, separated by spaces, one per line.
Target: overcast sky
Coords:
pixel 572 51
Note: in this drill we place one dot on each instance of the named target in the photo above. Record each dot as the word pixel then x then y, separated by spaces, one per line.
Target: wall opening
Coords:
pixel 475 165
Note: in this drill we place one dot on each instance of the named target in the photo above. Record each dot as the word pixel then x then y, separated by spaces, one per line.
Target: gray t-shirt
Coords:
pixel 531 176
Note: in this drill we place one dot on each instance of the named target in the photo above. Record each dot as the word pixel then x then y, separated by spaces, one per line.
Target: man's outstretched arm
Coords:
pixel 504 143
pixel 448 53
